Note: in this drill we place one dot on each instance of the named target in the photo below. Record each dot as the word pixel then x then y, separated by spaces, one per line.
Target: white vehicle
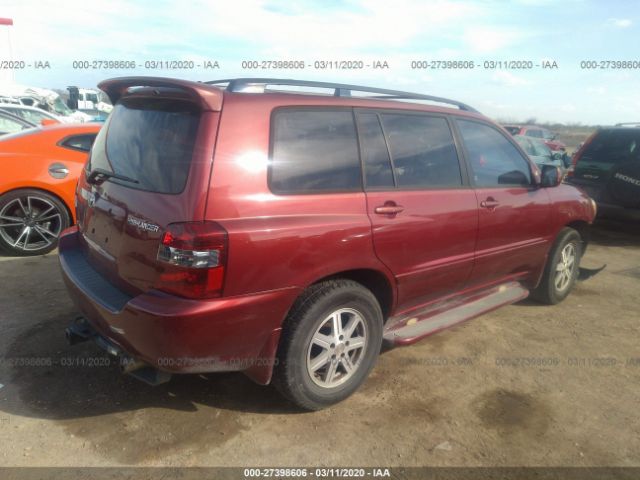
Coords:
pixel 30 114
pixel 87 99
pixel 47 100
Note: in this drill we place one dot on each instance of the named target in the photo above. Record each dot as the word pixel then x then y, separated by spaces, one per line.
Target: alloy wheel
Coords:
pixel 30 223
pixel 336 348
pixel 565 268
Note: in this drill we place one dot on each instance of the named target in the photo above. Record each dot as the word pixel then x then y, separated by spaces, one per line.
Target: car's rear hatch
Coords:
pixel 149 167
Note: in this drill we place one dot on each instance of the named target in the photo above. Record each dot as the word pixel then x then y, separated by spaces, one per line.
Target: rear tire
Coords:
pixel 329 344
pixel 31 222
pixel 562 268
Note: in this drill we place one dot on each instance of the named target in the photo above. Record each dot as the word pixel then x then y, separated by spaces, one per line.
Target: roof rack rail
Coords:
pixel 258 85
pixel 628 124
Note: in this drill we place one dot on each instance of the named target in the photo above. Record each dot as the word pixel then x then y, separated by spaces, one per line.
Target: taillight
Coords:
pixel 193 256
pixel 578 154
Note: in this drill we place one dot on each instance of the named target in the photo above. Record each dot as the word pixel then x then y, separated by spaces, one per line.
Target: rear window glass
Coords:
pixel 314 151
pixel 613 146
pixel 149 140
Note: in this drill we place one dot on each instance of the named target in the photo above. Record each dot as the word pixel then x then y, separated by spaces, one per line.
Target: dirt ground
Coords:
pixel 527 385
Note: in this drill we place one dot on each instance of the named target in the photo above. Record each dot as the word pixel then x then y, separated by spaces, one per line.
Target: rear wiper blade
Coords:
pixel 99 175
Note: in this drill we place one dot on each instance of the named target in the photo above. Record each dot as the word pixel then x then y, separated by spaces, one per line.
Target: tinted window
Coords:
pixel 377 164
pixel 613 146
pixel 422 150
pixel 493 159
pixel 80 142
pixel 534 133
pixel 150 140
pixel 314 151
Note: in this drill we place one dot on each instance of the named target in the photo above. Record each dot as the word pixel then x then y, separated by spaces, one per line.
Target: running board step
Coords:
pixel 431 319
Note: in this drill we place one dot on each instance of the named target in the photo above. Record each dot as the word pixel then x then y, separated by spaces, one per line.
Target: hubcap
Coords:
pixel 30 223
pixel 337 347
pixel 566 267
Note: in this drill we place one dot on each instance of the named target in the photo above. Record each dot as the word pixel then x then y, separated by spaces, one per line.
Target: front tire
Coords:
pixel 329 344
pixel 31 222
pixel 562 269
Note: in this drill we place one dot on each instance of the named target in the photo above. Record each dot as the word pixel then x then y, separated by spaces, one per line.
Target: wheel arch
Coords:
pixel 582 227
pixel 373 280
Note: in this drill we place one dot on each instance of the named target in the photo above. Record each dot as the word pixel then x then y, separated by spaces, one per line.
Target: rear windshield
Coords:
pixel 149 140
pixel 613 146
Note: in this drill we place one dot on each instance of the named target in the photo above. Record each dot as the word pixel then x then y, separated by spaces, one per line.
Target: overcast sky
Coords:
pixel 397 31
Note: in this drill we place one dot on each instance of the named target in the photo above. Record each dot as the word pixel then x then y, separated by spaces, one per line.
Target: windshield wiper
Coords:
pixel 99 175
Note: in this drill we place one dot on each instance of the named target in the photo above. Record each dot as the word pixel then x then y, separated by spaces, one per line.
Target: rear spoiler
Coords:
pixel 208 97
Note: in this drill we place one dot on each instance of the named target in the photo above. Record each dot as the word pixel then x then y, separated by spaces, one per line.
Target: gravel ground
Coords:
pixel 527 385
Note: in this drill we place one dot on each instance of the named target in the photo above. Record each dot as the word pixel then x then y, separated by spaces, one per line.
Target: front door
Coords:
pixel 514 214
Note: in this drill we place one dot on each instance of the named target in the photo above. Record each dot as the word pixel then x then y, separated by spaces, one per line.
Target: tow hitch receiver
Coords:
pixel 81 331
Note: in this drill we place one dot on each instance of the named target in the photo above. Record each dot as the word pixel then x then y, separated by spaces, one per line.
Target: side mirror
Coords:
pixel 551 176
pixel 48 121
pixel 557 155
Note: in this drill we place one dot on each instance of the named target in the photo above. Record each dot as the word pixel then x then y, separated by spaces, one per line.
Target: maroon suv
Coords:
pixel 242 226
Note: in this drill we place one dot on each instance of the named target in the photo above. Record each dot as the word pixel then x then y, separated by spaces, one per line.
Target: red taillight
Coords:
pixel 193 257
pixel 578 154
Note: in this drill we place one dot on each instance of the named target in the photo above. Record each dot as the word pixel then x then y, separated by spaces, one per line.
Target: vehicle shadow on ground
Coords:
pixel 56 381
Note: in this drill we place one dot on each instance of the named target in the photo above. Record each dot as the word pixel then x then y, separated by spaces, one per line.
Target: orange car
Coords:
pixel 39 169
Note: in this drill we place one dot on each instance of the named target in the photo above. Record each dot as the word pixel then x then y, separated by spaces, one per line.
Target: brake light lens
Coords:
pixel 193 257
pixel 578 154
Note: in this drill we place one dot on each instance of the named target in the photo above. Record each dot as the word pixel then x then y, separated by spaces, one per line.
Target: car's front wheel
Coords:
pixel 31 222
pixel 329 344
pixel 562 269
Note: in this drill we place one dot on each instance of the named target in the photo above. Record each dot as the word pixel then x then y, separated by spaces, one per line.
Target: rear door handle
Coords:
pixel 389 209
pixel 489 203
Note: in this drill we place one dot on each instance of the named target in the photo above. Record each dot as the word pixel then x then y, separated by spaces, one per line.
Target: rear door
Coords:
pixel 423 213
pixel 514 214
pixel 163 145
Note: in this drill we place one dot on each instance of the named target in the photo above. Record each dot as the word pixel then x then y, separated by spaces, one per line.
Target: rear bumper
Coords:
pixel 174 334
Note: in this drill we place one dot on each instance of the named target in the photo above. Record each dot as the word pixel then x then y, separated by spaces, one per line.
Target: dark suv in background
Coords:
pixel 607 168
pixel 232 225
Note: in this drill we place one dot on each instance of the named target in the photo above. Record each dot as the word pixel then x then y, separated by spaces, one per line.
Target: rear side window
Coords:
pixel 82 143
pixel 377 164
pixel 314 151
pixel 422 150
pixel 614 146
pixel 149 140
pixel 493 159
